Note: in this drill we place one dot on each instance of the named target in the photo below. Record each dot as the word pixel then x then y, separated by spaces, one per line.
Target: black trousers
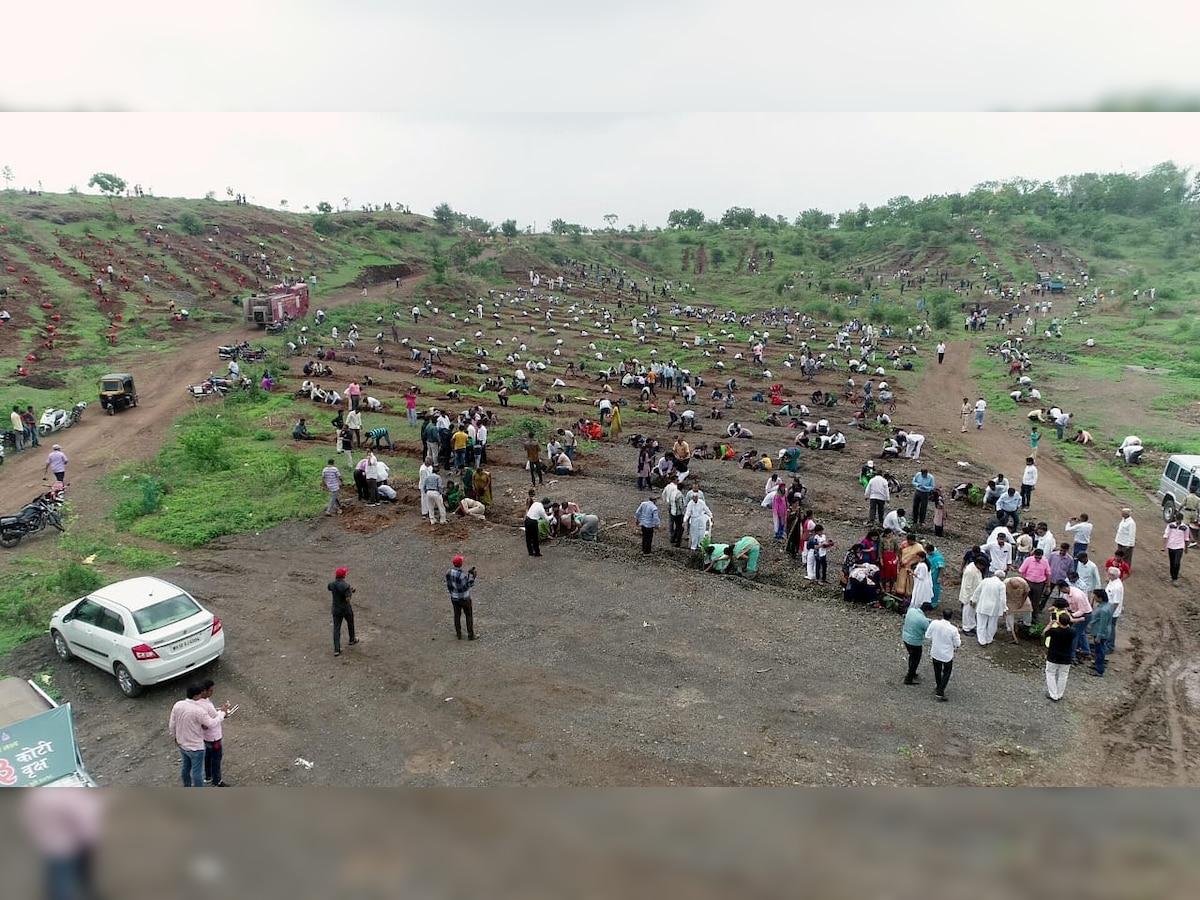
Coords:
pixel 1026 495
pixel 464 608
pixel 214 752
pixel 536 471
pixel 1176 557
pixel 360 483
pixel 822 568
pixel 338 617
pixel 914 660
pixel 647 538
pixel 532 538
pixel 941 676
pixel 920 507
pixel 676 523
pixel 875 511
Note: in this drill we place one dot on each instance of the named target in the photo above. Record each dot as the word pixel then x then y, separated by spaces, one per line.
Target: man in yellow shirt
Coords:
pixel 458 443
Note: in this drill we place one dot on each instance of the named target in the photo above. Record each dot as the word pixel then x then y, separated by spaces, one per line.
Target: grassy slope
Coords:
pixel 1121 253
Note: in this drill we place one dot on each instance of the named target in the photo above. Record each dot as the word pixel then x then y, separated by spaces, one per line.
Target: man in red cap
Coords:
pixel 459 584
pixel 342 610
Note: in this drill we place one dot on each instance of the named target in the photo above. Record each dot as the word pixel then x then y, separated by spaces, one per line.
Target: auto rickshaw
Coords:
pixel 117 392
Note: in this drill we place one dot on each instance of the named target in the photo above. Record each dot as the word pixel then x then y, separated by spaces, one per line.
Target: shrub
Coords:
pixel 202 448
pixel 191 224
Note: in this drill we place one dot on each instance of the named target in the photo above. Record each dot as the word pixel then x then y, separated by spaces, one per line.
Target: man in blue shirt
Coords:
pixel 923 485
pixel 648 519
pixel 1007 509
pixel 916 623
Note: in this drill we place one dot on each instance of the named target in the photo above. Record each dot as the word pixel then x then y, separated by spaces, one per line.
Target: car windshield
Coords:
pixel 164 613
pixel 112 386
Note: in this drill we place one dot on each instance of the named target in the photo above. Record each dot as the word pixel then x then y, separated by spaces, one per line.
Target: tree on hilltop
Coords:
pixel 611 219
pixel 7 175
pixel 324 207
pixel 108 184
pixel 445 216
pixel 690 219
pixel 508 228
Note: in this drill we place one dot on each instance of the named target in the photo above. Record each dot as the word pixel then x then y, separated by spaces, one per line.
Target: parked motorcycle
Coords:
pixel 232 351
pixel 34 517
pixel 275 328
pixel 57 419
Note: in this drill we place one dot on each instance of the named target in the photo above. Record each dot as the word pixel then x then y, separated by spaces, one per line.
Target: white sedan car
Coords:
pixel 142 630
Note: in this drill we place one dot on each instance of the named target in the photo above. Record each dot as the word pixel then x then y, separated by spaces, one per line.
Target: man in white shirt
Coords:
pixel 1029 480
pixel 999 554
pixel 941 352
pixel 1081 533
pixel 990 603
pixel 980 408
pixel 943 639
pixel 533 517
pixel 1115 589
pixel 481 437
pixel 895 521
pixel 913 445
pixel 673 503
pixel 877 494
pixel 1126 538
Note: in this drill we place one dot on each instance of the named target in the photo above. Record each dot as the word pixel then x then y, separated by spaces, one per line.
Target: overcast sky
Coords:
pixel 579 167
pixel 539 109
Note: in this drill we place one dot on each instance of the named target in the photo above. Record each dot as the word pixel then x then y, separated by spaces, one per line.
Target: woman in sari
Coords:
pixel 483 487
pixel 889 554
pixel 614 423
pixel 645 463
pixel 909 549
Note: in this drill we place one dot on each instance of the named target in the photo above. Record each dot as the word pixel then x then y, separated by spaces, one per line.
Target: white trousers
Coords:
pixel 810 559
pixel 985 630
pixel 434 499
pixel 1056 679
pixel 968 617
pixel 912 447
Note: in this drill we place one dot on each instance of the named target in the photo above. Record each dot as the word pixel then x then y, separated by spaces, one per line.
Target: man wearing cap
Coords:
pixel 1127 535
pixel 458 583
pixel 56 462
pixel 342 610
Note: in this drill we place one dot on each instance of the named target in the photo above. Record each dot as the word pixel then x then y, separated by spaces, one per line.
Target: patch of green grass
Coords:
pixel 1114 479
pixel 31 593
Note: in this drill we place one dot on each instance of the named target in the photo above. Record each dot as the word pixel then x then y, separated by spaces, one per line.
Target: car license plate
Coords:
pixel 184 644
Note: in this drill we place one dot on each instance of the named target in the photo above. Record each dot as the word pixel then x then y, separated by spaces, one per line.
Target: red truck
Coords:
pixel 283 304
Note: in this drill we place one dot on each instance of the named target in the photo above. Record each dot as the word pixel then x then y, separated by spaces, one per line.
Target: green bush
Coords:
pixel 202 448
pixel 191 224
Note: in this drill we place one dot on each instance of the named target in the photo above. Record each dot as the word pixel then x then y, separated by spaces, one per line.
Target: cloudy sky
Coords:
pixel 537 109
pixel 580 167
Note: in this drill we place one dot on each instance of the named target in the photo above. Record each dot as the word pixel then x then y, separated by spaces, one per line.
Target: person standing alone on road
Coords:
pixel 941 352
pixel 1176 537
pixel 188 720
pixel 648 519
pixel 56 463
pixel 965 413
pixel 943 639
pixel 458 583
pixel 342 611
pixel 980 408
pixel 1029 479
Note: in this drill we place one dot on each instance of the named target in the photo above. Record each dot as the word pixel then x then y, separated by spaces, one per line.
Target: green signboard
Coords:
pixel 38 750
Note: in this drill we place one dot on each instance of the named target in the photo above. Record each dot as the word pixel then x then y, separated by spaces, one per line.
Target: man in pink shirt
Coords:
pixel 1036 571
pixel 353 393
pixel 410 403
pixel 188 720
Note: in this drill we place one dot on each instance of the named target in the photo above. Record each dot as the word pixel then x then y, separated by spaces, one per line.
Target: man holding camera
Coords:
pixel 458 583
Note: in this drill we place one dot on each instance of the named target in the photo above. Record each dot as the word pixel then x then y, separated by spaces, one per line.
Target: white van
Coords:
pixel 1180 477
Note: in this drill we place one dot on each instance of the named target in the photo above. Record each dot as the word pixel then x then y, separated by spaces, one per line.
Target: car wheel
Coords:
pixel 125 682
pixel 1169 510
pixel 60 646
pixel 10 539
